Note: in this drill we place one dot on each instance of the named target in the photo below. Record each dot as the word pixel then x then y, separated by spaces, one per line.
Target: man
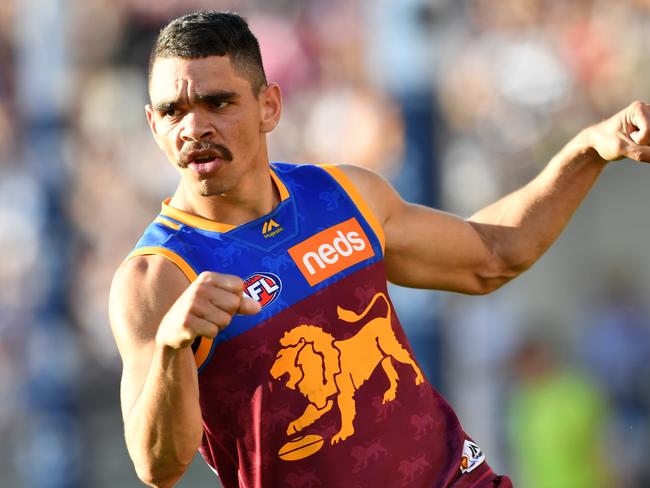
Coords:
pixel 305 378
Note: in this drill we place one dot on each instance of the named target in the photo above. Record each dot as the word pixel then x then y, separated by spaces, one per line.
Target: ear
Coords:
pixel 270 99
pixel 152 123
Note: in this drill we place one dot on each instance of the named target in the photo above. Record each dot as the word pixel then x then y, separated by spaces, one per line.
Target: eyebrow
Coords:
pixel 213 98
pixel 164 106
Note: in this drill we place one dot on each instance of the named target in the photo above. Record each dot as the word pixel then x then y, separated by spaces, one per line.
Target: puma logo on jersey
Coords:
pixel 271 228
pixel 332 250
pixel 264 288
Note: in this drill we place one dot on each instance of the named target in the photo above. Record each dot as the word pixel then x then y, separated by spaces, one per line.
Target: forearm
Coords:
pixel 425 248
pixel 520 227
pixel 163 427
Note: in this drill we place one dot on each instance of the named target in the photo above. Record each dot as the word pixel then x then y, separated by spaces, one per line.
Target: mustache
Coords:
pixel 190 150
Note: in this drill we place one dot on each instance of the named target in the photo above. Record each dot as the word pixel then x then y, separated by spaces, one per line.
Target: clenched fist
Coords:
pixel 625 134
pixel 204 308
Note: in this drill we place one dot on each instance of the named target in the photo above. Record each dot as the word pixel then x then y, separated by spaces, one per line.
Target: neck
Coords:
pixel 254 196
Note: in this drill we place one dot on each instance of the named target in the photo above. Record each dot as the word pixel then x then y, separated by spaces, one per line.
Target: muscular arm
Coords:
pixel 155 315
pixel 426 248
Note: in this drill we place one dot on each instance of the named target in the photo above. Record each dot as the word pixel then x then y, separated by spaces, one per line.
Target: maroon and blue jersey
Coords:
pixel 320 388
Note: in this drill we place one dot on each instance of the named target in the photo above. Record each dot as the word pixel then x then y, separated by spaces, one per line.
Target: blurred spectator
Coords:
pixel 556 423
pixel 615 343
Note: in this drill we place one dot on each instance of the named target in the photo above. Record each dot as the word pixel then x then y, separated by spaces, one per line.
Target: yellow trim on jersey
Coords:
pixel 205 344
pixel 167 223
pixel 203 351
pixel 345 182
pixel 169 254
pixel 193 220
pixel 212 225
pixel 282 189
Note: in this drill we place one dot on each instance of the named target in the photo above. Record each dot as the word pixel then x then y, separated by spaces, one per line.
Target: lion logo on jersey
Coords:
pixel 325 370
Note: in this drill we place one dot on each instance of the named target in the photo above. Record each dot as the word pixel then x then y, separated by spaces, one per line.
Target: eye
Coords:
pixel 220 105
pixel 170 112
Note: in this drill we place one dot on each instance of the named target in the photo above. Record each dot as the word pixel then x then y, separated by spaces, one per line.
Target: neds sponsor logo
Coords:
pixel 332 250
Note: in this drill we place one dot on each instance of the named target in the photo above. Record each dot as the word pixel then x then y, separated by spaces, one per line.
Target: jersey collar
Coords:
pixel 213 225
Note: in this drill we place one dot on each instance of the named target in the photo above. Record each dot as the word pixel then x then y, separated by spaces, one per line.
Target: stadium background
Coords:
pixel 457 102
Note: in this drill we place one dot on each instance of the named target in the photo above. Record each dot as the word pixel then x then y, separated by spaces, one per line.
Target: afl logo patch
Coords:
pixel 264 288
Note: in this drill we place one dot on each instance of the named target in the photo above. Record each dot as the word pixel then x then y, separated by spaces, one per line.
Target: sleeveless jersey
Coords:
pixel 320 388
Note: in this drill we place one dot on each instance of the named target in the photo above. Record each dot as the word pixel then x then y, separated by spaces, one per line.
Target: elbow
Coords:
pixel 485 286
pixel 159 470
pixel 159 462
pixel 496 274
pixel 501 263
pixel 160 476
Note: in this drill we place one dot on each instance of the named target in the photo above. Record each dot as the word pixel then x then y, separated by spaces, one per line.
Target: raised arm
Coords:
pixel 426 248
pixel 156 315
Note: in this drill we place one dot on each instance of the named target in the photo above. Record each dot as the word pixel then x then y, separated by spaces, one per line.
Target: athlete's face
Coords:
pixel 206 118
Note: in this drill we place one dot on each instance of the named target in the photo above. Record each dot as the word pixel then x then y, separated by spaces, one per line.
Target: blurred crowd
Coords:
pixel 456 102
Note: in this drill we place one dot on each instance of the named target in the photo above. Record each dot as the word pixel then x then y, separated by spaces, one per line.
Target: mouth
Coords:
pixel 203 161
pixel 200 156
pixel 205 166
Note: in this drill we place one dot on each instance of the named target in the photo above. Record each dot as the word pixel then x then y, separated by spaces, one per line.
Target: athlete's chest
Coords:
pixel 315 237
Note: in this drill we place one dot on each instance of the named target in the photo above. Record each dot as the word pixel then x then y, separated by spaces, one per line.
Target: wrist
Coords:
pixel 171 336
pixel 163 351
pixel 169 358
pixel 586 148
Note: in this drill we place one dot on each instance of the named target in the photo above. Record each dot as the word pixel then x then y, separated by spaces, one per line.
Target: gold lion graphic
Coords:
pixel 323 368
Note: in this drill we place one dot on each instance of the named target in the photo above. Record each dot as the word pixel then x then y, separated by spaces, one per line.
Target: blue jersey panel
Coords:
pixel 262 246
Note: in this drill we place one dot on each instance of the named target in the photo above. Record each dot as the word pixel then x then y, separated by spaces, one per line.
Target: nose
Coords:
pixel 196 127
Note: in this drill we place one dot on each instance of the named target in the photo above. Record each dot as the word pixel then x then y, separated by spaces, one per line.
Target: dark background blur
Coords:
pixel 457 102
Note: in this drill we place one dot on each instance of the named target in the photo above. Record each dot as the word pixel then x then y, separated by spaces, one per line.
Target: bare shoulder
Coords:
pixel 143 290
pixel 376 191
